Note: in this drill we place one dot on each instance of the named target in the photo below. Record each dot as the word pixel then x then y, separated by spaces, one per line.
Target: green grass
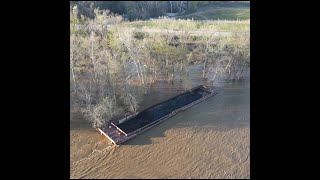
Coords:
pixel 223 13
pixel 183 24
pixel 230 19
pixel 228 14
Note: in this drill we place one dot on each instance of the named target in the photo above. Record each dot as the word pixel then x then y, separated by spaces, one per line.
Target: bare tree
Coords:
pixel 127 40
pixel 73 47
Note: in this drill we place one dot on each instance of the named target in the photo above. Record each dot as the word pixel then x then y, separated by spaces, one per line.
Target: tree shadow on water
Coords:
pixel 78 122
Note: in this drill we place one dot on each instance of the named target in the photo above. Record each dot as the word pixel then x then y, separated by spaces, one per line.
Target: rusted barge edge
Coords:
pixel 162 119
pixel 106 136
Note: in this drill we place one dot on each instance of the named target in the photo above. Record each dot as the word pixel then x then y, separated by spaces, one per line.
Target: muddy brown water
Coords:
pixel 208 140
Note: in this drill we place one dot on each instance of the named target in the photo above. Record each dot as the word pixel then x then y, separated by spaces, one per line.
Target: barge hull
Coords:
pixel 117 136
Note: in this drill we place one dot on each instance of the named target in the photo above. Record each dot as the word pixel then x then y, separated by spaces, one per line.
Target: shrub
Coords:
pixel 139 35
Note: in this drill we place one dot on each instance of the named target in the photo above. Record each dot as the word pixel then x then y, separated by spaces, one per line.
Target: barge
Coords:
pixel 124 129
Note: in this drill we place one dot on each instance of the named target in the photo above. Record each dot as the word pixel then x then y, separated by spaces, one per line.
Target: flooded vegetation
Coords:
pixel 118 68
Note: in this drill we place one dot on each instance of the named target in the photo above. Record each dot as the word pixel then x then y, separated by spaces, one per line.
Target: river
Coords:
pixel 208 140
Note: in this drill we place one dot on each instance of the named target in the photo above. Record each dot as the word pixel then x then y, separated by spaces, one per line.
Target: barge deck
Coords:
pixel 129 127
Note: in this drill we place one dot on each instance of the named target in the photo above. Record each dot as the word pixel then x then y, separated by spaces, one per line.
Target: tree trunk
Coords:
pixel 93 61
pixel 73 75
pixel 206 59
pixel 142 78
pixel 204 68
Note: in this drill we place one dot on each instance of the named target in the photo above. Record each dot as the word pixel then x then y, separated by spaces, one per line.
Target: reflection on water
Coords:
pixel 208 140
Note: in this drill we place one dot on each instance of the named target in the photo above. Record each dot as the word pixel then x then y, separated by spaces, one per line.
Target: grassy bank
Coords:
pixel 188 24
pixel 223 13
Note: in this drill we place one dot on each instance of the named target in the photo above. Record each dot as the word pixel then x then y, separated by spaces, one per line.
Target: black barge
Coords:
pixel 124 129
